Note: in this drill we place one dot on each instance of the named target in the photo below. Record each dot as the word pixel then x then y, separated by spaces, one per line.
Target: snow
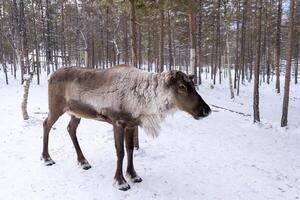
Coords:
pixel 224 156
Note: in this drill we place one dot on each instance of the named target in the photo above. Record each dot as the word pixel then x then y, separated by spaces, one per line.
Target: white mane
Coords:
pixel 139 93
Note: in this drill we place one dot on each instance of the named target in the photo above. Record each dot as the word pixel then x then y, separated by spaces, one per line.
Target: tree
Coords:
pixel 199 38
pixel 48 38
pixel 134 56
pixel 171 59
pixel 133 33
pixel 285 105
pixel 161 35
pixel 278 41
pixel 192 33
pixel 227 27
pixel 257 64
pixel 297 56
pixel 36 45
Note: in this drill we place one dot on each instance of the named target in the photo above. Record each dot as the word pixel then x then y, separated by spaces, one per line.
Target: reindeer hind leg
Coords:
pixel 72 127
pixel 55 111
pixel 129 141
pixel 120 183
pixel 47 125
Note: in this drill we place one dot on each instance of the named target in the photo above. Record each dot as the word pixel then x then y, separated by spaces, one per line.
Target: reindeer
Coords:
pixel 123 96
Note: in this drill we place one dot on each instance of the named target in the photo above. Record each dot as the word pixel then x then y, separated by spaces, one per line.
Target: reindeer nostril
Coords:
pixel 206 112
pixel 209 111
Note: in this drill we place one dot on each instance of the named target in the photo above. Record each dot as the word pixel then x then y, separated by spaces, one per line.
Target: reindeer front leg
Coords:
pixel 119 130
pixel 129 140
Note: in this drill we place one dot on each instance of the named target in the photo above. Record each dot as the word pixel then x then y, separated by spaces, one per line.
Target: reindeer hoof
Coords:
pixel 135 179
pixel 123 187
pixel 85 165
pixel 48 161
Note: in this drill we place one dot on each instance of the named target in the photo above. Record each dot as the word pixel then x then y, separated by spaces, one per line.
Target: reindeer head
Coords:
pixel 184 95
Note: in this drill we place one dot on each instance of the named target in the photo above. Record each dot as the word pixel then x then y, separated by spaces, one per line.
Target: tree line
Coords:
pixel 239 40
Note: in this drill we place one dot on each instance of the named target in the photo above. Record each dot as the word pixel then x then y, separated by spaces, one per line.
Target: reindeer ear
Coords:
pixel 191 77
pixel 170 77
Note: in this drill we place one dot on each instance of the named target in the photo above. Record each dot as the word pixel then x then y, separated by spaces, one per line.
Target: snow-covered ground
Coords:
pixel 224 156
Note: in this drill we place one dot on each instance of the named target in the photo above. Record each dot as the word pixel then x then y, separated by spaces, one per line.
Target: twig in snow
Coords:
pixel 41 113
pixel 237 112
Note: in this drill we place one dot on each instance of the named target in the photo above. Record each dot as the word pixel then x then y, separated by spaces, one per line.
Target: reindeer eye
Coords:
pixel 182 87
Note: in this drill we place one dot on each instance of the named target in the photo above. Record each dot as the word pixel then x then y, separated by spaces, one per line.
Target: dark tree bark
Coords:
pixel 78 61
pixel 107 35
pixel 2 53
pixel 36 45
pixel 278 41
pixel 161 36
pixel 284 118
pixel 243 43
pixel 237 58
pixel 200 41
pixel 170 42
pixel 256 114
pixel 126 43
pixel 140 56
pixel 193 41
pixel 62 36
pixel 219 41
pixel 297 57
pixel 133 33
pixel 149 46
pixel 48 47
pixel 134 54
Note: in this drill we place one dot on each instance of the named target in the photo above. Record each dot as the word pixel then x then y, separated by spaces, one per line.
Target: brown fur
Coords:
pixel 122 96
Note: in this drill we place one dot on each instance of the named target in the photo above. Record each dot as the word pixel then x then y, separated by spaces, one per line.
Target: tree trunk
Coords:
pixel 2 52
pixel 62 35
pixel 48 47
pixel 126 43
pixel 192 33
pixel 297 58
pixel 219 41
pixel 107 36
pixel 140 46
pixel 134 54
pixel 26 85
pixel 161 37
pixel 133 33
pixel 78 62
pixel 278 41
pixel 243 43
pixel 170 42
pixel 36 46
pixel 200 42
pixel 285 105
pixel 229 69
pixel 4 66
pixel 237 57
pixel 149 46
pixel 227 28
pixel 257 65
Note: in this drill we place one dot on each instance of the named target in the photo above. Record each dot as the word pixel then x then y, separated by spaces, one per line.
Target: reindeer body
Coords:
pixel 123 96
pixel 126 89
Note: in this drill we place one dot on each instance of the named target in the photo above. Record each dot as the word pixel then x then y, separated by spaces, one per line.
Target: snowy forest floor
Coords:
pixel 224 156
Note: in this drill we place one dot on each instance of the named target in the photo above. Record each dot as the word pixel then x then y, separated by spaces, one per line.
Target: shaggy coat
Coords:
pixel 127 89
pixel 124 96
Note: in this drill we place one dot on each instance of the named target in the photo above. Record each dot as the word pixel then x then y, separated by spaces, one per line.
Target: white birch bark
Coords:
pixel 26 86
pixel 229 69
